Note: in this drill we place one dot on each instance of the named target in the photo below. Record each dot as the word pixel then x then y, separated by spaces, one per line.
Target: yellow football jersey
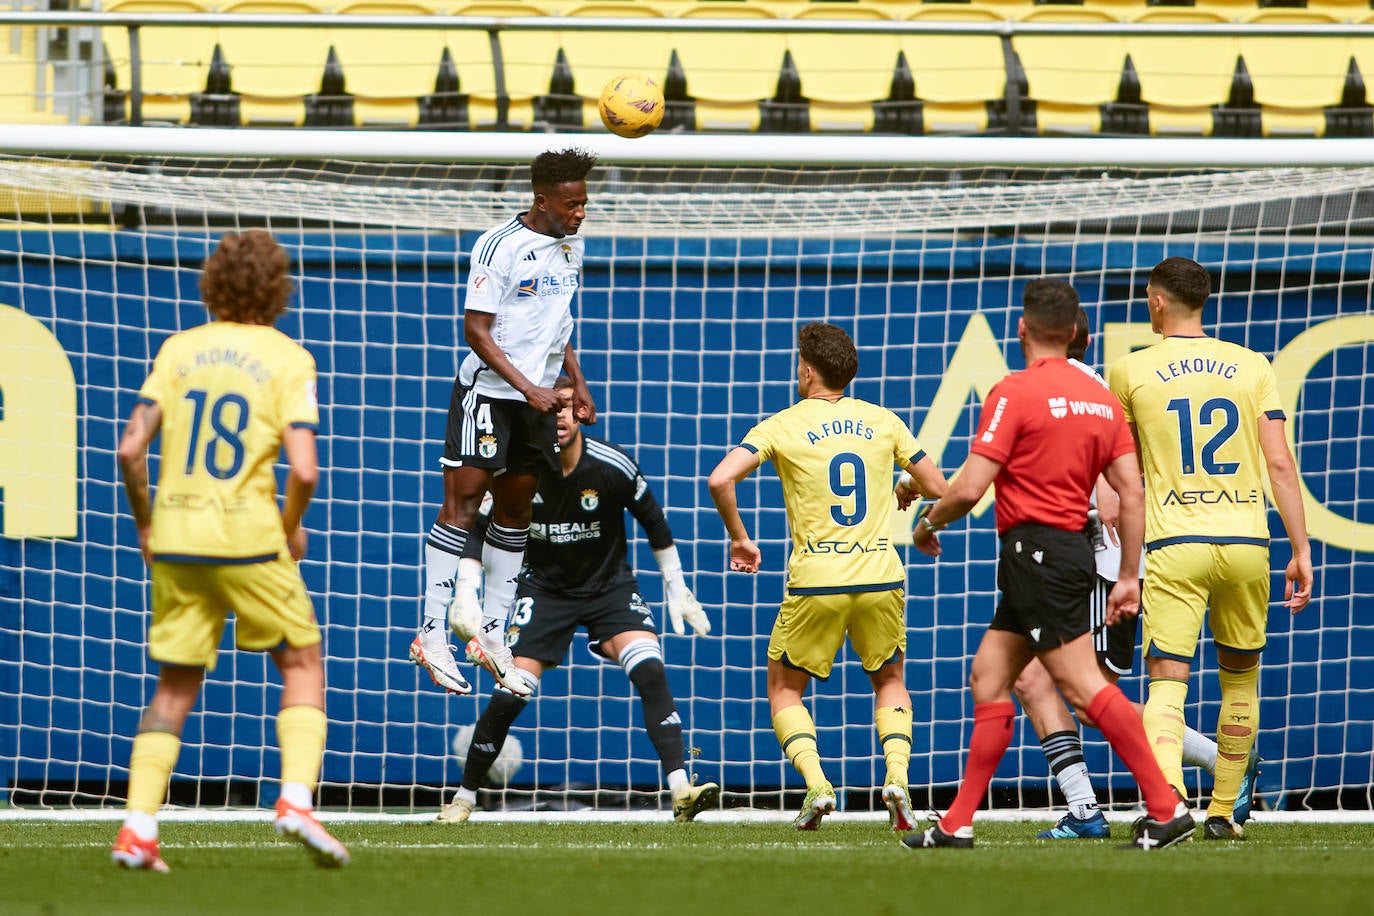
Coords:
pixel 227 392
pixel 835 462
pixel 1196 404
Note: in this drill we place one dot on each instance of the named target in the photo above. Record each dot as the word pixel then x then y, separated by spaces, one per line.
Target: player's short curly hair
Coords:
pixel 830 351
pixel 1078 347
pixel 1183 280
pixel 554 167
pixel 247 279
pixel 1051 310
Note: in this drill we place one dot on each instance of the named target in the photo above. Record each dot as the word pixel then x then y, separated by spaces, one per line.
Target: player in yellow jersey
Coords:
pixel 1209 426
pixel 835 456
pixel 227 397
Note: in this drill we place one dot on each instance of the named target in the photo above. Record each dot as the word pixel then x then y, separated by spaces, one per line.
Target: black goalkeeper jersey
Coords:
pixel 577 545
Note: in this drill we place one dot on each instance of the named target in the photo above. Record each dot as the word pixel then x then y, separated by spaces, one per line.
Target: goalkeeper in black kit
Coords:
pixel 576 575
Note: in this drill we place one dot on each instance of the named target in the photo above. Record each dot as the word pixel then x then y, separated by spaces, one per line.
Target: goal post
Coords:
pixel 700 268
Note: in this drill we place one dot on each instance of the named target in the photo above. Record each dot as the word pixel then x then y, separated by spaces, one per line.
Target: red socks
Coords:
pixel 1120 723
pixel 990 740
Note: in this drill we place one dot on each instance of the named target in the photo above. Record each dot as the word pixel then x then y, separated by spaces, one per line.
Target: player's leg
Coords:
pixel 489 737
pixel 1076 674
pixel 155 751
pixel 1238 617
pixel 877 630
pixel 503 554
pixel 188 621
pixel 301 728
pixel 1178 582
pixel 807 634
pixel 1001 656
pixel 1058 733
pixel 640 654
pixel 464 488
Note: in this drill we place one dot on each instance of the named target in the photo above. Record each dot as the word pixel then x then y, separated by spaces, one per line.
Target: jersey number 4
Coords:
pixel 1206 416
pixel 223 451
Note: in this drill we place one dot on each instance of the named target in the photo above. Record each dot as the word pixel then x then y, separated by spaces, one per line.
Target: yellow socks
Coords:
pixel 1164 726
pixel 300 735
pixel 797 735
pixel 150 766
pixel 1237 726
pixel 894 733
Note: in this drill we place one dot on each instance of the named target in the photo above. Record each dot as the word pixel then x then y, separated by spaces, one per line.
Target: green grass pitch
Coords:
pixel 710 868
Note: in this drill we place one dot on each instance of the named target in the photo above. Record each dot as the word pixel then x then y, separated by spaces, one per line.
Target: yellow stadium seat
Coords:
pixel 957 71
pixel 1075 70
pixel 1281 123
pixel 736 70
pixel 844 69
pixel 1181 79
pixel 275 68
pixel 175 60
pixel 597 57
pixel 852 118
pixel 19 101
pixel 387 70
pixel 527 62
pixel 1296 72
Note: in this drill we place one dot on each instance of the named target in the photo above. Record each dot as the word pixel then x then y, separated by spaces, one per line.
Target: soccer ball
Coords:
pixel 508 762
pixel 631 105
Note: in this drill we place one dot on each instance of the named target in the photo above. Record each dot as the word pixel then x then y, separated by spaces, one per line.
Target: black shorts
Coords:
pixel 1046 577
pixel 542 625
pixel 1115 644
pixel 498 435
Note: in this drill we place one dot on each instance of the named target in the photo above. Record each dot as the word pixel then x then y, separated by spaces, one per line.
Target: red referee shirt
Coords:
pixel 1053 428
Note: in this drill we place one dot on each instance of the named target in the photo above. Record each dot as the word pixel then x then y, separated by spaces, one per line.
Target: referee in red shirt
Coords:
pixel 1045 435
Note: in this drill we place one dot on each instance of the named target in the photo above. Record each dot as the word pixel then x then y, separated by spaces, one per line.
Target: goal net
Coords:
pixel 697 279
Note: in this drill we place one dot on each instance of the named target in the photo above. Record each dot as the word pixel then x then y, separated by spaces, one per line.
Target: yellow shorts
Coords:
pixel 1182 581
pixel 810 629
pixel 191 601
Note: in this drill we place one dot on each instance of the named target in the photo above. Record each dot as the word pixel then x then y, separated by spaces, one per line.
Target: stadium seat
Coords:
pixel 597 57
pixel 527 59
pixel 956 75
pixel 1070 77
pixel 387 70
pixel 275 68
pixel 729 74
pixel 1296 71
pixel 19 101
pixel 175 60
pixel 1182 79
pixel 844 68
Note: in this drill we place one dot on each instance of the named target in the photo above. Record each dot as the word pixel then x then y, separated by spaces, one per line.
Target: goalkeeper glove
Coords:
pixel 682 604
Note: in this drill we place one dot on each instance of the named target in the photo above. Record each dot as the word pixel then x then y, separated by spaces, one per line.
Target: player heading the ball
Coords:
pixel 502 433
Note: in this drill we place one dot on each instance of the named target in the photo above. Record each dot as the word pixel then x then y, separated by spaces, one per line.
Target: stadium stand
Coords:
pixel 466 79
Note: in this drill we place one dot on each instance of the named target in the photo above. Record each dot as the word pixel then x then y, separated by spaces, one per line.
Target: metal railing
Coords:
pixel 1005 30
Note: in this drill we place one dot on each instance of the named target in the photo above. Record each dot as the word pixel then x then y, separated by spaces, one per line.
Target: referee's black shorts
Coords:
pixel 1046 577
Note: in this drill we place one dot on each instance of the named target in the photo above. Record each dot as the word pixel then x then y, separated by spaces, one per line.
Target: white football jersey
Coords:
pixel 527 280
pixel 1105 553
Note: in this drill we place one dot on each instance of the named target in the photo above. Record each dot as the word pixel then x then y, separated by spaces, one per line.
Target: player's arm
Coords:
pixel 734 467
pixel 1123 476
pixel 963 494
pixel 1108 510
pixel 140 431
pixel 682 604
pixel 921 478
pixel 584 408
pixel 1283 482
pixel 304 475
pixel 477 332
